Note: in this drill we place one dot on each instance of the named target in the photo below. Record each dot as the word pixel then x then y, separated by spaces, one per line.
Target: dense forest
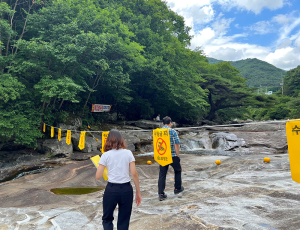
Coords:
pixel 258 73
pixel 58 57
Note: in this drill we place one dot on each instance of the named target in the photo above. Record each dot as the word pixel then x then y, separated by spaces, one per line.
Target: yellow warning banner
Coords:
pixel 104 137
pixel 59 134
pixel 293 140
pixel 162 147
pixel 81 144
pixel 52 131
pixel 96 160
pixel 44 127
pixel 68 139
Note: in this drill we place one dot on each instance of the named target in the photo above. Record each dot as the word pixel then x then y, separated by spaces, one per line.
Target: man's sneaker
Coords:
pixel 176 191
pixel 161 197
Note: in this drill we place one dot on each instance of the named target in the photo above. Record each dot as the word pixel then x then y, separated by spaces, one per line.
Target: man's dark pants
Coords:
pixel 163 173
pixel 121 195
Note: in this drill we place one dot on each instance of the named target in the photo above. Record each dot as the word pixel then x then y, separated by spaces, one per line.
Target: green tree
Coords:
pixel 292 82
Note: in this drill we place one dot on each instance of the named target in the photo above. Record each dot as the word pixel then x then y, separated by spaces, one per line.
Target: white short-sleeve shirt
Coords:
pixel 117 164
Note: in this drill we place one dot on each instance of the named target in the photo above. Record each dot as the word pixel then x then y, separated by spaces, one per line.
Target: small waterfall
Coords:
pixel 195 141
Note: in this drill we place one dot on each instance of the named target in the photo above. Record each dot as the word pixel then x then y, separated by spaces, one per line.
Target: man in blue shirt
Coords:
pixel 174 141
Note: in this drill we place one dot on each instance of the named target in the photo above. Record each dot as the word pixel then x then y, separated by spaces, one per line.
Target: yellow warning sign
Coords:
pixel 59 134
pixel 162 147
pixel 52 131
pixel 104 137
pixel 81 144
pixel 44 127
pixel 293 140
pixel 68 138
pixel 96 160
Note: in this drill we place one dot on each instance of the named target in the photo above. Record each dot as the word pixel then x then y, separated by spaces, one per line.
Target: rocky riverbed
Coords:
pixel 241 193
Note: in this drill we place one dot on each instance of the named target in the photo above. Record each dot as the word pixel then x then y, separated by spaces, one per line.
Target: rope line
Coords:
pixel 197 127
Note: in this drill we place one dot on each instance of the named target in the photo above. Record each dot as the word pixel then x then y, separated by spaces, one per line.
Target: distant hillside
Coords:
pixel 256 72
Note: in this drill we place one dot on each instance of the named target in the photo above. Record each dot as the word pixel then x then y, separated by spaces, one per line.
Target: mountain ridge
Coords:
pixel 257 72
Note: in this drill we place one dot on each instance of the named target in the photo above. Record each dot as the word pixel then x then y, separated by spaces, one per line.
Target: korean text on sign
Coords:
pixel 162 147
pixel 100 108
pixel 293 139
pixel 104 137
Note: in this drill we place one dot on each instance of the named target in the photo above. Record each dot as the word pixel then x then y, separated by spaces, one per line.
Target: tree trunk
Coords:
pixel 213 109
pixel 61 103
pixel 96 82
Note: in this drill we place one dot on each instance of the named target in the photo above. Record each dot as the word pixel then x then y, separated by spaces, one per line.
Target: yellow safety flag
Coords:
pixel 52 131
pixel 81 144
pixel 162 147
pixel 68 138
pixel 96 160
pixel 44 127
pixel 104 137
pixel 59 134
pixel 293 140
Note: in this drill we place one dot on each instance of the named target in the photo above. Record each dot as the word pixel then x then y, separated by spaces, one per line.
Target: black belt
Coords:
pixel 127 183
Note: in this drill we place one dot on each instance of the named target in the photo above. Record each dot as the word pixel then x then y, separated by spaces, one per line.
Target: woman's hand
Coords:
pixel 138 198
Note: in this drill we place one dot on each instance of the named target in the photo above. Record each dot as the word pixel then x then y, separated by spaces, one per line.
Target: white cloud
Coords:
pixel 287 29
pixel 297 42
pixel 255 6
pixel 261 27
pixel 286 43
pixel 221 25
pixel 281 19
pixel 200 15
pixel 199 12
pixel 227 53
pixel 285 58
pixel 213 36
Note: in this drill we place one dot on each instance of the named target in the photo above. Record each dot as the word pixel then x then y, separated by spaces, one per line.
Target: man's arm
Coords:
pixel 177 149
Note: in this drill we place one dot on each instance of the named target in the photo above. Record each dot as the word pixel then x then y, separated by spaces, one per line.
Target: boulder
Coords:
pixel 267 141
pixel 146 124
pixel 55 147
pixel 90 143
pixel 72 123
pixel 144 136
pixel 131 140
pixel 112 116
pixel 194 141
pixel 226 141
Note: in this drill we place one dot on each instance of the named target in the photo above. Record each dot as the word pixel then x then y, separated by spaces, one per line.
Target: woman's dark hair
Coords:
pixel 114 141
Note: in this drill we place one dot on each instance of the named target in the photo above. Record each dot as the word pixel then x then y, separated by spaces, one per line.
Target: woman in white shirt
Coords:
pixel 118 161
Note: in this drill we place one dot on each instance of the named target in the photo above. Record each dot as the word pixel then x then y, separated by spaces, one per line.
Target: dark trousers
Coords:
pixel 163 173
pixel 121 194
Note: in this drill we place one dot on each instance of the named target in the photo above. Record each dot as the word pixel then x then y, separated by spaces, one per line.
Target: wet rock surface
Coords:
pixel 90 143
pixel 241 193
pixel 55 147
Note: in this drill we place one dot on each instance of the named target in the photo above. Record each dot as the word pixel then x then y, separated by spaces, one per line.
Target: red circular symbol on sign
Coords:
pixel 161 146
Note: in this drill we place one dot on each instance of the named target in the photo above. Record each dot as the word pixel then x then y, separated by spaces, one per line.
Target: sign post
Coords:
pixel 162 147
pixel 293 139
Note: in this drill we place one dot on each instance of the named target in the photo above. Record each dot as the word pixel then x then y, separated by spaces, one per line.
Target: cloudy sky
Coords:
pixel 238 29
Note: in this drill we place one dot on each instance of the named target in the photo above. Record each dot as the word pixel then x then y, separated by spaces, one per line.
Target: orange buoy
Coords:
pixel 267 159
pixel 96 139
pixel 218 162
pixel 89 127
pixel 149 162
